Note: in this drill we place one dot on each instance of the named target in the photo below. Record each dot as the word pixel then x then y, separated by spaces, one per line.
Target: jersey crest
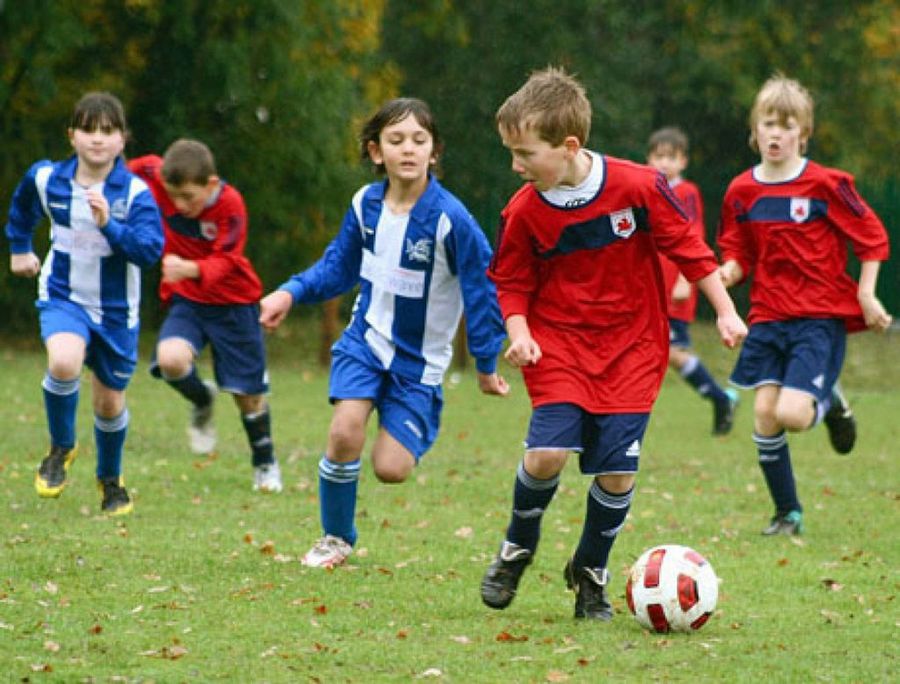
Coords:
pixel 119 209
pixel 799 209
pixel 209 229
pixel 623 223
pixel 420 250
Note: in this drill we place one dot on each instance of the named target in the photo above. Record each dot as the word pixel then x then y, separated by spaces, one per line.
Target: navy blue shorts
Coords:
pixel 111 353
pixel 804 354
pixel 233 333
pixel 606 443
pixel 410 411
pixel 678 334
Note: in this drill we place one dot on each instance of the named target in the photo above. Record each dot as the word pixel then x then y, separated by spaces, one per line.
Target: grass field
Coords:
pixel 202 582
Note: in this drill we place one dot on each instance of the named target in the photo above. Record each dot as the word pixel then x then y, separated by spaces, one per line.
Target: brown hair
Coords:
pixel 98 110
pixel 671 136
pixel 390 113
pixel 188 161
pixel 552 103
pixel 785 98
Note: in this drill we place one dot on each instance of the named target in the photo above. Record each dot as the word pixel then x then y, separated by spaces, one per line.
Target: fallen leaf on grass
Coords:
pixel 506 636
pixel 834 585
pixel 782 562
pixel 321 609
pixel 402 634
pixel 557 676
pixel 41 667
pixel 462 639
pixel 51 646
pixel 268 548
pixel 464 533
pixel 166 652
pixel 51 587
pixel 95 629
pixel 432 672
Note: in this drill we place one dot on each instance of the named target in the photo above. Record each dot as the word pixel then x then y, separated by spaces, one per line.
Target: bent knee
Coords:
pixel 394 473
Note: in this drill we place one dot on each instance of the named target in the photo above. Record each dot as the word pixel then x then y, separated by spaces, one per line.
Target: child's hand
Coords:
pixel 492 383
pixel 174 268
pixel 877 318
pixel 273 309
pixel 732 330
pixel 99 207
pixel 25 265
pixel 523 351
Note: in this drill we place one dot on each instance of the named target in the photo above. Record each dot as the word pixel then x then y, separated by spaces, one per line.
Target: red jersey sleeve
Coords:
pixel 514 267
pixel 855 219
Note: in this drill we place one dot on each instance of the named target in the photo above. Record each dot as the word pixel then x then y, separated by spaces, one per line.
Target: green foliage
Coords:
pixel 202 583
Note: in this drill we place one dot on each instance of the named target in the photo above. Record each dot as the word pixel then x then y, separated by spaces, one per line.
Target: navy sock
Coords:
pixel 337 498
pixel 61 404
pixel 701 380
pixel 775 461
pixel 604 518
pixel 191 387
pixel 530 499
pixel 109 436
pixel 258 427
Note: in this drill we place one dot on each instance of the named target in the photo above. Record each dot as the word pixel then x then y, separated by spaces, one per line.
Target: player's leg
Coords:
pixel 554 431
pixel 774 455
pixel 65 334
pixel 112 356
pixel 693 371
pixel 181 338
pixel 257 422
pixel 611 452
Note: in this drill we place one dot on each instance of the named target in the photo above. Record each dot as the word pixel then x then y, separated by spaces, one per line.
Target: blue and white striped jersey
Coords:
pixel 417 274
pixel 100 270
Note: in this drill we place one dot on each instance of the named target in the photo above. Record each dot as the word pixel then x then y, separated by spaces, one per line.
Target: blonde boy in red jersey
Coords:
pixel 667 152
pixel 581 292
pixel 786 222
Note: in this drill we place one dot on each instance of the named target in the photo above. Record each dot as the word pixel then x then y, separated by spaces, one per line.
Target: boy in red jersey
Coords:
pixel 212 292
pixel 668 153
pixel 786 222
pixel 581 292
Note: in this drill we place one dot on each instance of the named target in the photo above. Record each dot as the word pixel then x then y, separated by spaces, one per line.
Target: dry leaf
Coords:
pixel 462 639
pixel 464 533
pixel 51 646
pixel 96 629
pixel 506 636
pixel 557 676
pixel 268 548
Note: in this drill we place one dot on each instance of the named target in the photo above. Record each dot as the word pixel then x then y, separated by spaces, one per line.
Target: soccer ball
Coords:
pixel 672 588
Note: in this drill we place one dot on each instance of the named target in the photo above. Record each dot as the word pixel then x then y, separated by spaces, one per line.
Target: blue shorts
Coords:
pixel 606 443
pixel 678 334
pixel 111 353
pixel 234 335
pixel 408 410
pixel 804 354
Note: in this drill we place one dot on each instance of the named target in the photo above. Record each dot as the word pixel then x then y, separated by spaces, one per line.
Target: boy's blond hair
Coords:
pixel 552 103
pixel 188 161
pixel 784 97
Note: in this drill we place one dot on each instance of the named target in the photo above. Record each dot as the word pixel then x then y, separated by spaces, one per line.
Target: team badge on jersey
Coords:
pixel 623 223
pixel 420 250
pixel 119 209
pixel 209 229
pixel 799 209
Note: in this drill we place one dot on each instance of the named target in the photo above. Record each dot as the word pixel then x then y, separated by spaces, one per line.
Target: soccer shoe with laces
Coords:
pixel 115 499
pixel 50 479
pixel 498 587
pixel 589 585
pixel 723 412
pixel 840 423
pixel 329 552
pixel 201 430
pixel 790 523
pixel 267 478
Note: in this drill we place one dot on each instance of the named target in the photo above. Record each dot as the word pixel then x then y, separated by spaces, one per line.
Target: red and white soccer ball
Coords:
pixel 672 588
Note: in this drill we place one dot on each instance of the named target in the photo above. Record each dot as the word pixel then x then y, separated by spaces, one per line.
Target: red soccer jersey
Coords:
pixel 214 240
pixel 791 237
pixel 689 196
pixel 587 279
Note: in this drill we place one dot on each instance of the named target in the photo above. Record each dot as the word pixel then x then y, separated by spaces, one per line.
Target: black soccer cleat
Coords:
pixel 790 523
pixel 115 499
pixel 589 585
pixel 840 423
pixel 500 581
pixel 723 412
pixel 50 479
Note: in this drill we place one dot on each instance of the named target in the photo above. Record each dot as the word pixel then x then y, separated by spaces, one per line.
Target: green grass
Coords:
pixel 202 582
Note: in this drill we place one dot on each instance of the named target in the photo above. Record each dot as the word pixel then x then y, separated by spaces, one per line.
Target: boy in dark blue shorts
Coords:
pixel 105 228
pixel 787 222
pixel 212 292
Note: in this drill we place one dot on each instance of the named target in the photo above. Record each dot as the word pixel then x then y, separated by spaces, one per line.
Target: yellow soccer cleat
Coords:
pixel 50 479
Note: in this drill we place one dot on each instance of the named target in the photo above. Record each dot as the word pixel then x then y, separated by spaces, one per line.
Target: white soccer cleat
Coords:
pixel 267 478
pixel 202 430
pixel 329 552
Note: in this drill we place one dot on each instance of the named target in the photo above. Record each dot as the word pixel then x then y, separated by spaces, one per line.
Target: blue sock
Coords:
pixel 604 518
pixel 61 404
pixel 109 436
pixel 337 498
pixel 775 461
pixel 701 380
pixel 191 387
pixel 530 499
pixel 258 427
